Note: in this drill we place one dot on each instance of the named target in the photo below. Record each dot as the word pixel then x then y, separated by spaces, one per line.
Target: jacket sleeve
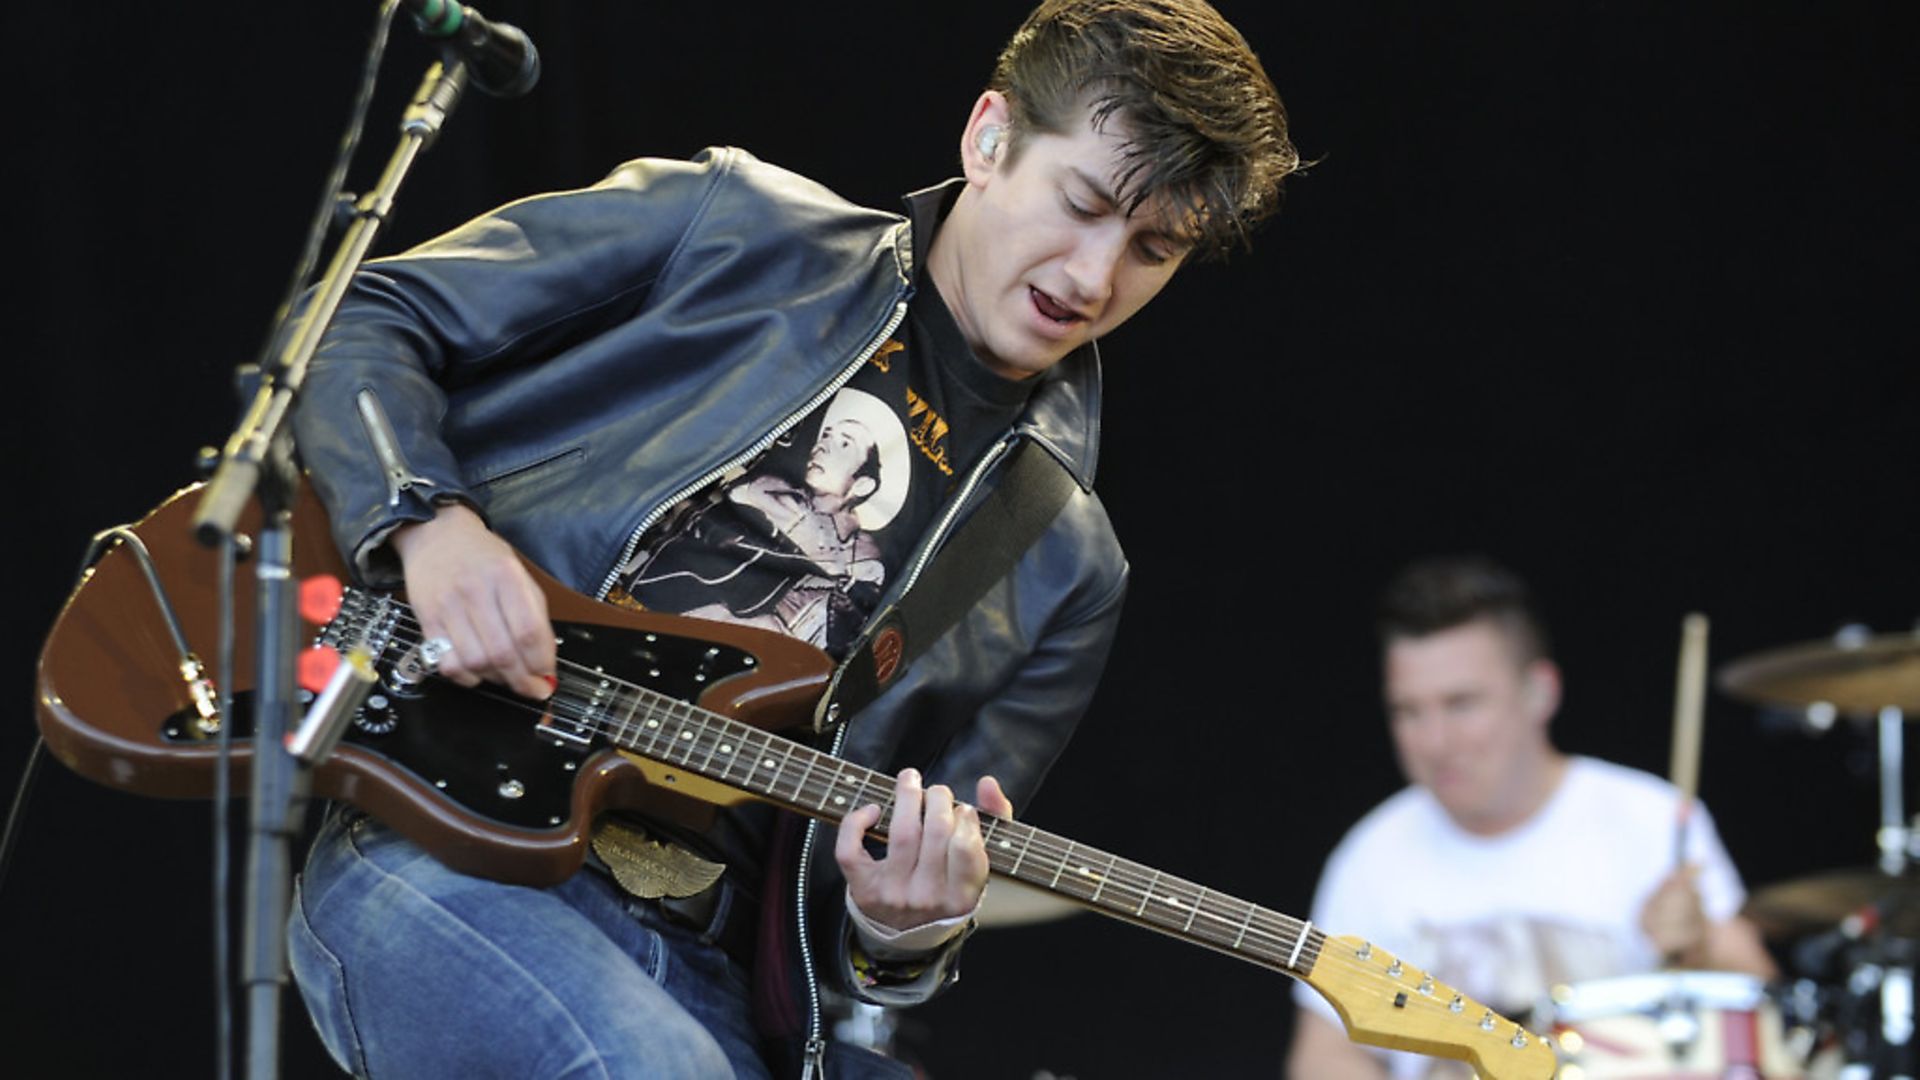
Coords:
pixel 506 289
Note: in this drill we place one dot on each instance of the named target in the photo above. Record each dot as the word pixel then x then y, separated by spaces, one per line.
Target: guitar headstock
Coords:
pixel 1384 1002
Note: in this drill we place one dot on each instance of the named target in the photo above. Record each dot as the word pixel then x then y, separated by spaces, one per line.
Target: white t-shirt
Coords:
pixel 1554 900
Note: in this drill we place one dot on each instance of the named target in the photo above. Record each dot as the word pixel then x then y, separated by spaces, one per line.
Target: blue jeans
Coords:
pixel 413 970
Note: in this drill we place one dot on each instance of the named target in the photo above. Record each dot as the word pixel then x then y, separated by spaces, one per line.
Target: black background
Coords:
pixel 1621 293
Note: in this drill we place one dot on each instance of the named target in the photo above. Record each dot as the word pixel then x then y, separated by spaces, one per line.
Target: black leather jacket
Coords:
pixel 572 365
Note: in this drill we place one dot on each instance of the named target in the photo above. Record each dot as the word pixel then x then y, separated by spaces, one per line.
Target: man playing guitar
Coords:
pixel 632 385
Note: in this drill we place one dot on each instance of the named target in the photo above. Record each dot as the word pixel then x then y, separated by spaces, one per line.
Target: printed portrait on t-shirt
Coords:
pixel 790 545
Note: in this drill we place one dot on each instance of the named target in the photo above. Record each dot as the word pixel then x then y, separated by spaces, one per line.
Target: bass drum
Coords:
pixel 1674 1025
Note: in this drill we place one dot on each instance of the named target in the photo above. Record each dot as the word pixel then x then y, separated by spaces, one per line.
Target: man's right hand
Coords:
pixel 468 586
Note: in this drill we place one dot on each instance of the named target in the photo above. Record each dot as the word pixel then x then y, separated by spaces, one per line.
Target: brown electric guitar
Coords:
pixel 647 704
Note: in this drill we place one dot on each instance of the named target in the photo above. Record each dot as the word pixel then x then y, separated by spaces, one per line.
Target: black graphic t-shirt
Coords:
pixel 806 540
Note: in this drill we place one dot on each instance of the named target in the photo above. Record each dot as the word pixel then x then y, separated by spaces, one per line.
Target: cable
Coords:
pixel 18 809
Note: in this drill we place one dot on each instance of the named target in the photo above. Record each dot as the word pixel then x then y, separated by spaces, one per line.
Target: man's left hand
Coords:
pixel 935 866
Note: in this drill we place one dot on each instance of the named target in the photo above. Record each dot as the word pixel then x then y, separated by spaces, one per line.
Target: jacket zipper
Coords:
pixel 386 448
pixel 751 452
pixel 938 535
pixel 815 1061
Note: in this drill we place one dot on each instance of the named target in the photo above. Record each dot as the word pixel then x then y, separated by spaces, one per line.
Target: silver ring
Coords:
pixel 433 649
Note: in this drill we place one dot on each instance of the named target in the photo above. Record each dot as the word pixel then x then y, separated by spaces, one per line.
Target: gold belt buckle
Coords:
pixel 650 868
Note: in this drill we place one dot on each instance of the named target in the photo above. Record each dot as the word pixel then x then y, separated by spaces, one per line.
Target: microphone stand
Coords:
pixel 258 459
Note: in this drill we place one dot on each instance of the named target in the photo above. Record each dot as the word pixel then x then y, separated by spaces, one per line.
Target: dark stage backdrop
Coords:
pixel 1622 293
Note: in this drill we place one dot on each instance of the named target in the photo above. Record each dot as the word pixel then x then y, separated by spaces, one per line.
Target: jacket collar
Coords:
pixel 1064 413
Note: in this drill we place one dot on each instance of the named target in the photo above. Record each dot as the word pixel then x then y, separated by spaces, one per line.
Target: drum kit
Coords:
pixel 1851 936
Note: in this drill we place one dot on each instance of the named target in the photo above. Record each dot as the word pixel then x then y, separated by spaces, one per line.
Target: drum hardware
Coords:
pixel 1872 1010
pixel 1857 675
pixel 1850 904
pixel 1857 930
pixel 1678 1024
pixel 1674 1024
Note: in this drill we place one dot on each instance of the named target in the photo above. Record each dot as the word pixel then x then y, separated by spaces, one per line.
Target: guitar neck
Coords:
pixel 800 778
pixel 1381 1000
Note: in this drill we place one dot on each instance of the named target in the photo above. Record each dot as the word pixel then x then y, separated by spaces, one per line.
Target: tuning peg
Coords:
pixel 320 597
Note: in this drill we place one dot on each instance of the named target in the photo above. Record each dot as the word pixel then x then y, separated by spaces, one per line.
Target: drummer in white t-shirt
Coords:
pixel 1508 867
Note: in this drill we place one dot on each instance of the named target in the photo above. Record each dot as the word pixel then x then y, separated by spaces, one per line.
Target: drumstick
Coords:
pixel 1688 699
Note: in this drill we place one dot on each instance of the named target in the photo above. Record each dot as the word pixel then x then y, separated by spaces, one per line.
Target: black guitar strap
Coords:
pixel 984 550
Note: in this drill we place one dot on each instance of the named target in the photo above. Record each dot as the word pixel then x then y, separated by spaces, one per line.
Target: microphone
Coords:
pixel 500 59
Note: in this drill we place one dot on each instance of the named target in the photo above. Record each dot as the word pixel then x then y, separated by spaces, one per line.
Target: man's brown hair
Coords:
pixel 1203 124
pixel 1442 592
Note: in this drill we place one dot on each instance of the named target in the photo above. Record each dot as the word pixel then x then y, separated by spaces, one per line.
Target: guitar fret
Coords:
pixel 616 717
pixel 792 749
pixel 1061 867
pixel 1244 923
pixel 682 732
pixel 667 715
pixel 621 736
pixel 673 730
pixel 761 759
pixel 1147 897
pixel 878 790
pixel 1112 861
pixel 719 746
pixel 714 746
pixel 1026 842
pixel 1299 940
pixel 1131 879
pixel 1198 899
pixel 689 734
pixel 647 734
pixel 827 790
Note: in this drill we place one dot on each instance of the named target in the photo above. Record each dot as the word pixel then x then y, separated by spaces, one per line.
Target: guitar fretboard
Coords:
pixel 798 777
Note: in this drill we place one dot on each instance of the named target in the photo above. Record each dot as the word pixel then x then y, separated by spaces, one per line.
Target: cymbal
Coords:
pixel 1807 904
pixel 1858 678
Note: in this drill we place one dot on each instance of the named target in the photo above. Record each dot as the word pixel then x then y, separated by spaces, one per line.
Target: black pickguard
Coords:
pixel 500 755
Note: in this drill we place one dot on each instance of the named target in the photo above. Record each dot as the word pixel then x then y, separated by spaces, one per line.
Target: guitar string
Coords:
pixel 1120 873
pixel 1256 937
pixel 1125 879
pixel 1276 934
pixel 810 791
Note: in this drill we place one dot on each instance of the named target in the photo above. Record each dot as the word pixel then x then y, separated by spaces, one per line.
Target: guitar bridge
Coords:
pixel 366 620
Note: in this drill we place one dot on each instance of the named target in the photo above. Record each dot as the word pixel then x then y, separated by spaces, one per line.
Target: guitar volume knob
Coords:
pixel 376 715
